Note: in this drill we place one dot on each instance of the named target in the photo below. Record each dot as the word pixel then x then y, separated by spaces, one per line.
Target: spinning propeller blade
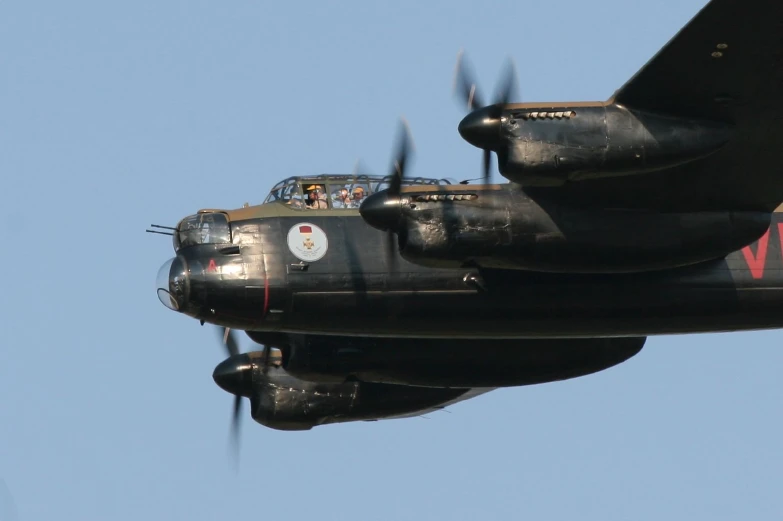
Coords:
pixel 403 152
pixel 466 90
pixel 231 345
pixel 230 342
pixel 235 419
pixel 234 376
pixel 381 210
pixel 465 84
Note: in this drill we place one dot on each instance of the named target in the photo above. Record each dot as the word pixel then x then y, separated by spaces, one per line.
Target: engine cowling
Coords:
pixel 282 401
pixel 551 145
pixel 504 228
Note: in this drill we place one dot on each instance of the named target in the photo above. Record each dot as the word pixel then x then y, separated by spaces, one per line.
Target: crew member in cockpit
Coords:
pixel 316 198
pixel 357 196
pixel 342 198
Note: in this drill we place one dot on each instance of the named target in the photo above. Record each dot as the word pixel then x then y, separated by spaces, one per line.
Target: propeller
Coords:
pixel 234 375
pixel 231 345
pixel 477 127
pixel 382 209
pixel 403 152
pixel 230 341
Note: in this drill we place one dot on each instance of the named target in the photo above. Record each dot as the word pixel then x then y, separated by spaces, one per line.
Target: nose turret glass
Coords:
pixel 172 284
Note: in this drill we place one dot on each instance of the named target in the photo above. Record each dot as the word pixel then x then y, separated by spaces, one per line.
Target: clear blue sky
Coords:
pixel 115 115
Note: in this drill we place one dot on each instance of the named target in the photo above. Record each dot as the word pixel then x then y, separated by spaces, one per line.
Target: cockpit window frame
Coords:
pixel 292 190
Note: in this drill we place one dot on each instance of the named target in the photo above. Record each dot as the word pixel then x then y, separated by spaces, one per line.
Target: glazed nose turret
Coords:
pixel 173 284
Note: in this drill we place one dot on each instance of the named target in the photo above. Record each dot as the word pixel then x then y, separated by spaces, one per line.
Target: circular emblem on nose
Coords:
pixel 307 242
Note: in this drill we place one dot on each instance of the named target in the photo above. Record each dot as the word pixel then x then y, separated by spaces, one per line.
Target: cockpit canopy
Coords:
pixel 206 227
pixel 335 191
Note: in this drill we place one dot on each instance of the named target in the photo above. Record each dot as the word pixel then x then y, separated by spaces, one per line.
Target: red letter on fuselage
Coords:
pixel 756 263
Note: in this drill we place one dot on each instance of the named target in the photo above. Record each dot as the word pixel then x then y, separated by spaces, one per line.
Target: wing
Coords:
pixel 719 65
pixel 726 64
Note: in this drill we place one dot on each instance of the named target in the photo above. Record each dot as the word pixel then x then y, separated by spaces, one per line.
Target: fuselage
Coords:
pixel 328 272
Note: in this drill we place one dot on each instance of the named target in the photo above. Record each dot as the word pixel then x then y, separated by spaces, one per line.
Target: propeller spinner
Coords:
pixel 481 127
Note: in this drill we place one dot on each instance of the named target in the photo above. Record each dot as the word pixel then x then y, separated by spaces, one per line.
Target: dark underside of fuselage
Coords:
pixel 356 288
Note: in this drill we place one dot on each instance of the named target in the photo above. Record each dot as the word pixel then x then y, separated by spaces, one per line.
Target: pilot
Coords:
pixel 316 200
pixel 357 197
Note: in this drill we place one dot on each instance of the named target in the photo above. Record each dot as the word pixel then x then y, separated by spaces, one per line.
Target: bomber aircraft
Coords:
pixel 654 212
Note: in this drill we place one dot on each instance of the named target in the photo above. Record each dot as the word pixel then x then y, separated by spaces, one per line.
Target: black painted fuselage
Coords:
pixel 257 283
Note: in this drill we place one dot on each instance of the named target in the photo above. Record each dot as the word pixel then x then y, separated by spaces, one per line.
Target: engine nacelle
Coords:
pixel 282 401
pixel 506 229
pixel 456 363
pixel 550 146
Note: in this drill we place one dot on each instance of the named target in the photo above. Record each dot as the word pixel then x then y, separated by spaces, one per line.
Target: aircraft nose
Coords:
pixel 382 211
pixel 173 284
pixel 480 128
pixel 235 375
